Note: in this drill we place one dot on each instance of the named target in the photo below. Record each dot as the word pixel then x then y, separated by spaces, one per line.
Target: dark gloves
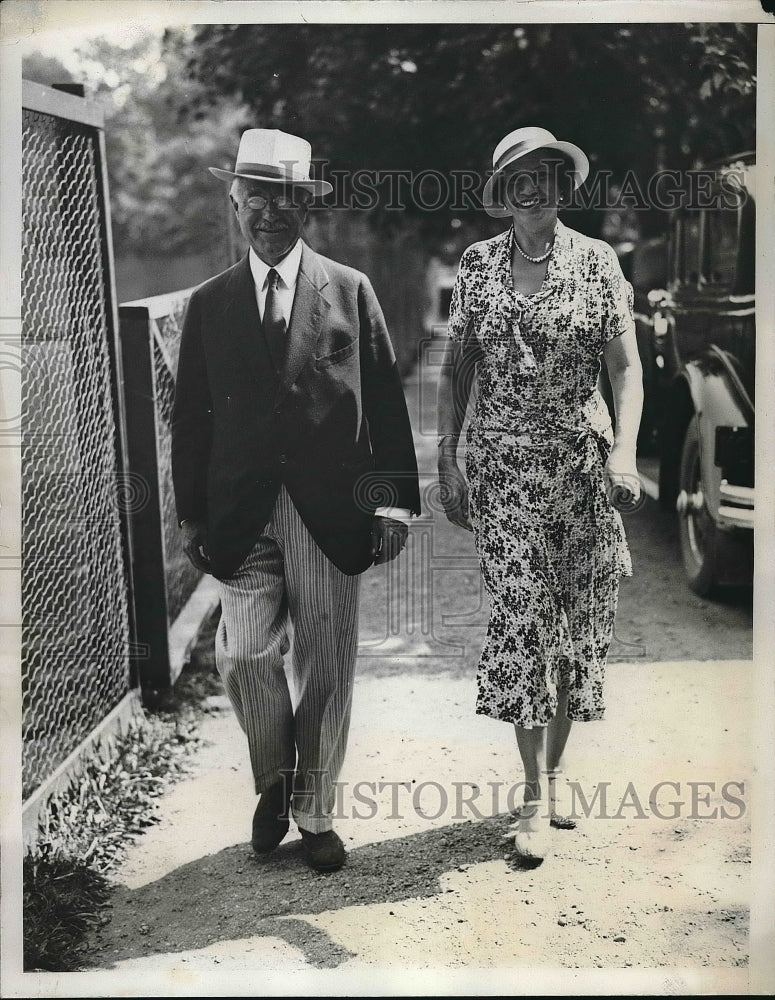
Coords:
pixel 194 542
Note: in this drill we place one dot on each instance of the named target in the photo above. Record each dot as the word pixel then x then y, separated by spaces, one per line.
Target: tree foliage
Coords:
pixel 163 200
pixel 419 97
pixel 409 97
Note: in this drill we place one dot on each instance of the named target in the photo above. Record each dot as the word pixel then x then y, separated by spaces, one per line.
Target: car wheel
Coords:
pixel 648 359
pixel 698 531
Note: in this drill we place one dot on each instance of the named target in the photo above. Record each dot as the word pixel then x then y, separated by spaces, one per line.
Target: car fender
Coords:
pixel 716 395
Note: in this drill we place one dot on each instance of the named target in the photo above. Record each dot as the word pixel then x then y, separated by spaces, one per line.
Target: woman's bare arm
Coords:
pixel 626 376
pixel 455 382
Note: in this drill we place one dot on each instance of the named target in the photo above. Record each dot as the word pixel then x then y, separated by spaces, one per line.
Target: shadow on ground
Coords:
pixel 239 895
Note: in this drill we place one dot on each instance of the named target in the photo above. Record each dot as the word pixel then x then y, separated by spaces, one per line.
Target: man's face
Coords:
pixel 271 230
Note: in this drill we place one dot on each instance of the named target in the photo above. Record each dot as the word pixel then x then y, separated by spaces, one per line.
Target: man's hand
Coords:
pixel 388 538
pixel 454 493
pixel 194 542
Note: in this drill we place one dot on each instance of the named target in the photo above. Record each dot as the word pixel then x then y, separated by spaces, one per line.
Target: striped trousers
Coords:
pixel 285 581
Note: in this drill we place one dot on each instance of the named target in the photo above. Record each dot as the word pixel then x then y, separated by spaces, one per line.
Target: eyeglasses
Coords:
pixel 258 202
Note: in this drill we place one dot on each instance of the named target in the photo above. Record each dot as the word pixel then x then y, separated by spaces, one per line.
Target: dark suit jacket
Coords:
pixel 332 425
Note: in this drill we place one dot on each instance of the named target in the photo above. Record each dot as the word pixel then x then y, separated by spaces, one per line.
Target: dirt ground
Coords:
pixel 658 888
pixel 654 884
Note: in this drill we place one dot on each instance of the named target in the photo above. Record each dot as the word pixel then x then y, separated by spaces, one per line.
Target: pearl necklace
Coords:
pixel 533 260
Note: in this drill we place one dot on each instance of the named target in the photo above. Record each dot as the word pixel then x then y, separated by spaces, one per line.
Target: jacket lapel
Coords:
pixel 244 322
pixel 310 307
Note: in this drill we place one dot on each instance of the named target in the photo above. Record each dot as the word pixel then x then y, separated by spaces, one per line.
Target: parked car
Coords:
pixel 644 263
pixel 701 325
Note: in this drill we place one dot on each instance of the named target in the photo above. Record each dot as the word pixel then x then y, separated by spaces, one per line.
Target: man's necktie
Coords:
pixel 274 322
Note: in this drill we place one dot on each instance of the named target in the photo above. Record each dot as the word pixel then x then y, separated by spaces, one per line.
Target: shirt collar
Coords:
pixel 288 268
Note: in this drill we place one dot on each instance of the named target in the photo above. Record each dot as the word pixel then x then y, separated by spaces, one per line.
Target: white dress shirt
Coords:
pixel 288 272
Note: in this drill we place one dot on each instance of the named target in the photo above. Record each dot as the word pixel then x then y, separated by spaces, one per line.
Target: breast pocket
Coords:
pixel 327 360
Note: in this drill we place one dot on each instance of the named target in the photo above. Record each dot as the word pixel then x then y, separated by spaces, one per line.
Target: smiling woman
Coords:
pixel 542 303
pixel 538 179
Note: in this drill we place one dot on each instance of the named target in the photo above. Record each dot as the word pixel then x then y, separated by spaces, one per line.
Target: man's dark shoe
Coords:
pixel 270 820
pixel 324 851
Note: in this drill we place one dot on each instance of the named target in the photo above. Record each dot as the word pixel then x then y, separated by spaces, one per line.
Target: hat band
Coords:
pixel 510 153
pixel 269 170
pixel 516 151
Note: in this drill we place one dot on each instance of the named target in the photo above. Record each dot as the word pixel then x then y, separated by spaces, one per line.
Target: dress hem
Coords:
pixel 588 717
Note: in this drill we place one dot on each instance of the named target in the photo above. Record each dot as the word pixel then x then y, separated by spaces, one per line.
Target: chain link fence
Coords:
pixel 75 613
pixel 171 596
pixel 182 577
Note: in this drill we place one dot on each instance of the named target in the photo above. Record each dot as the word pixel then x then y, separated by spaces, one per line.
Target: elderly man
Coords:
pixel 289 421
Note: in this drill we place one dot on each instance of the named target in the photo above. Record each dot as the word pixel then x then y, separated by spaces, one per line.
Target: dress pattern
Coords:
pixel 551 546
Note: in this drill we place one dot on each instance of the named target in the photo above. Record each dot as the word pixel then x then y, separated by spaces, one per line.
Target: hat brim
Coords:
pixel 580 173
pixel 317 188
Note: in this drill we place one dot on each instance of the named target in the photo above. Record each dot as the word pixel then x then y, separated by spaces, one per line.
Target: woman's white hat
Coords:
pixel 519 143
pixel 267 154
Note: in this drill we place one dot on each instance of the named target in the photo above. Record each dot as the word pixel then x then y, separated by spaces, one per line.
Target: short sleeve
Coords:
pixel 459 306
pixel 616 298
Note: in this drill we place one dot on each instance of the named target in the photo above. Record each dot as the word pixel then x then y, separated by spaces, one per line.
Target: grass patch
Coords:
pixel 84 832
pixel 63 899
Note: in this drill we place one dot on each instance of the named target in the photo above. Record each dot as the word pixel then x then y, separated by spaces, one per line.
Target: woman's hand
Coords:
pixel 622 482
pixel 454 492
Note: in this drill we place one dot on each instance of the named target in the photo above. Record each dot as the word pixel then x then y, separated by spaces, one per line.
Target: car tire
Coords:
pixel 647 432
pixel 699 534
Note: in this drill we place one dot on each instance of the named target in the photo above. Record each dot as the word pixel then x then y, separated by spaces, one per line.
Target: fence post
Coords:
pixel 76 612
pixel 144 503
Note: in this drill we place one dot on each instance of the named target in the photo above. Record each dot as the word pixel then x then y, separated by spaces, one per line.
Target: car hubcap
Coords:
pixel 691 505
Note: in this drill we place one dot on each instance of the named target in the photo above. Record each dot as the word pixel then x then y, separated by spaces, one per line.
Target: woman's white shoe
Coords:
pixel 531 831
pixel 560 808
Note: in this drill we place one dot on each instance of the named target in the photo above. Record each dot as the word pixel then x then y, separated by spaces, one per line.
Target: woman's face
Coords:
pixel 531 188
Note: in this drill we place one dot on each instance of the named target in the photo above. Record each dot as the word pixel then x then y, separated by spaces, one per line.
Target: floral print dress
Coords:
pixel 551 546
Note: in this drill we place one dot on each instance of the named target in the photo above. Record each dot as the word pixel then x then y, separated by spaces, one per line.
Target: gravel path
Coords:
pixel 626 890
